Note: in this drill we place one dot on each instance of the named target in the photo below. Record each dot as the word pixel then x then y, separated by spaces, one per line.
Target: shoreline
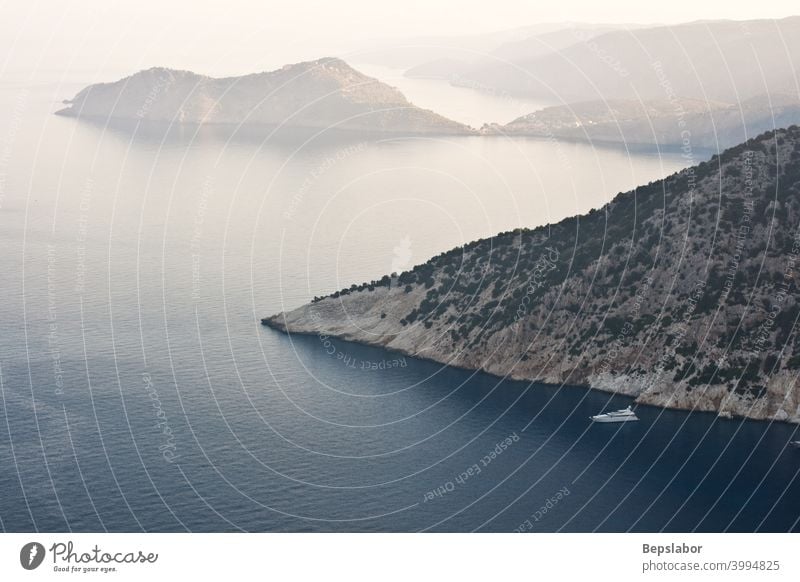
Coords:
pixel 276 323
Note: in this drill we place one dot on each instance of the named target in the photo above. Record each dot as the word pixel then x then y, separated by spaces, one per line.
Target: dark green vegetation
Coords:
pixel 682 285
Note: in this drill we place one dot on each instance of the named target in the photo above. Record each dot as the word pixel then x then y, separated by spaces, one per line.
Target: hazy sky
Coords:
pixel 101 37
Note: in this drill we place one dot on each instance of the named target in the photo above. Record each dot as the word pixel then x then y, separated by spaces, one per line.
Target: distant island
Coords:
pixel 666 122
pixel 326 93
pixel 329 94
pixel 681 293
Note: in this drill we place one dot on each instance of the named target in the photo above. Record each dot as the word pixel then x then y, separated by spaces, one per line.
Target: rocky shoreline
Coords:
pixel 681 294
pixel 642 387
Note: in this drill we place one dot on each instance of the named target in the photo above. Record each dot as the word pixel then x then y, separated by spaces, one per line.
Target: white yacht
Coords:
pixel 624 415
pixel 795 444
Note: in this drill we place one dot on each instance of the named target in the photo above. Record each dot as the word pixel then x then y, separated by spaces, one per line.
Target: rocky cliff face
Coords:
pixel 682 293
pixel 318 94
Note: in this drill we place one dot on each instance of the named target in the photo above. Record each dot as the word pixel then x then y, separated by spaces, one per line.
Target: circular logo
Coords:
pixel 31 555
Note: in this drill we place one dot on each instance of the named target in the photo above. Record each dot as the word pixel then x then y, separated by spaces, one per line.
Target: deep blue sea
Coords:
pixel 140 392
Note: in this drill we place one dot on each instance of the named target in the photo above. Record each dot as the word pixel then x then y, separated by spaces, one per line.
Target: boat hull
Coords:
pixel 613 418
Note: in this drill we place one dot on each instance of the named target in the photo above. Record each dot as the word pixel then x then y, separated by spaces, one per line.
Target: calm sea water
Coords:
pixel 139 391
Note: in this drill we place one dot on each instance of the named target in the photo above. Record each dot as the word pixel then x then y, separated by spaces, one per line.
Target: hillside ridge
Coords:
pixel 325 93
pixel 681 293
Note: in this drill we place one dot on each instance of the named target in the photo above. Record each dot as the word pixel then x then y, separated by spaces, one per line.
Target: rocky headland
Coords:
pixel 681 293
pixel 323 94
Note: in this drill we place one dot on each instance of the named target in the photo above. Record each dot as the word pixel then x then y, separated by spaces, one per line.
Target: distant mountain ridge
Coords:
pixel 461 67
pixel 326 93
pixel 703 124
pixel 722 60
pixel 408 52
pixel 682 293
